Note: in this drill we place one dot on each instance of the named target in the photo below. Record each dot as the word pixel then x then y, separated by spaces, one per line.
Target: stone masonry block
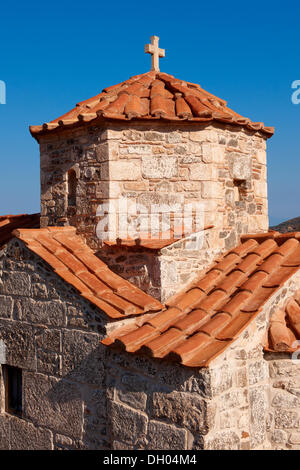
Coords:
pixel 222 440
pixel 4 432
pixel 287 419
pixel 163 436
pixel 240 166
pixel 47 313
pixel 183 409
pixel 53 403
pixel 261 156
pixel 131 391
pixel 19 341
pixel 136 149
pixel 159 167
pixel 6 306
pixel 204 136
pixel 258 400
pixel 127 425
pixel 25 436
pixel 258 372
pixel 83 357
pixel 260 188
pixel 125 170
pixel 16 283
pixel 212 153
pixel 284 399
pixel 202 171
pixel 212 190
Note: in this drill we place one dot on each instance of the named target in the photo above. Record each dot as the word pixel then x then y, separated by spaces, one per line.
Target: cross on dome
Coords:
pixel 155 52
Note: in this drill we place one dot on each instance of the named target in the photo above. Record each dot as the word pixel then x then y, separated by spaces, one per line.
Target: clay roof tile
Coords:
pixel 151 96
pixel 75 262
pixel 204 320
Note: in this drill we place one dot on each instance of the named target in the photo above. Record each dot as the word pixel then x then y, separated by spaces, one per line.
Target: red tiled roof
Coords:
pixel 200 323
pixel 8 223
pixel 284 330
pixel 155 242
pixel 76 263
pixel 152 96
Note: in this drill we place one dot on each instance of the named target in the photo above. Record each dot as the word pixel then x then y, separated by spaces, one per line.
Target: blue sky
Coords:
pixel 56 54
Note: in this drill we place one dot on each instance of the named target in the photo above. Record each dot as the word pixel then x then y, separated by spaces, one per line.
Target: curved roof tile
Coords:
pixel 201 322
pixel 284 329
pixel 8 223
pixel 75 262
pixel 152 96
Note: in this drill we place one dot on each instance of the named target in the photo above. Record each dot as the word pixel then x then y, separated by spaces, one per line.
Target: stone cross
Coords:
pixel 155 51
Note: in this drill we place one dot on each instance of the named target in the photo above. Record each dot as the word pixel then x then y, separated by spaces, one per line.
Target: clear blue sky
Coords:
pixel 55 54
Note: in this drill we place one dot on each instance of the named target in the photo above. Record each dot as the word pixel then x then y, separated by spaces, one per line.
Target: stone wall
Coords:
pixel 220 167
pixel 53 335
pixel 161 273
pixel 156 405
pixel 242 381
pixel 224 406
pixel 79 394
pixel 85 151
pixel 283 422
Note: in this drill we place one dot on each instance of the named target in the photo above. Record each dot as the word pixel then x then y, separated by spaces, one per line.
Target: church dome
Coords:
pixel 150 97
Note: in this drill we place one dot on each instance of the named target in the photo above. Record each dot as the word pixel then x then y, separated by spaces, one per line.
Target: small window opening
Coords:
pixel 239 189
pixel 13 389
pixel 72 188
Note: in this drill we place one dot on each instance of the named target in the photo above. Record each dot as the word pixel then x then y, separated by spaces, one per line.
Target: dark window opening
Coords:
pixel 239 189
pixel 13 389
pixel 72 188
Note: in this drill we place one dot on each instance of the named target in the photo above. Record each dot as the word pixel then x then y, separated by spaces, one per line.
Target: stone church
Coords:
pixel 182 335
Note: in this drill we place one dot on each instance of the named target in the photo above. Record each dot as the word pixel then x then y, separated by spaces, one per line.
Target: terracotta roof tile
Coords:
pixel 212 301
pixel 163 344
pixel 210 280
pixel 191 346
pixel 8 223
pixel 255 281
pixel 236 302
pixel 293 312
pixel 284 329
pixel 215 324
pixel 245 247
pixel 192 321
pixel 75 262
pixel 136 338
pixel 271 263
pixel 206 354
pixel 151 96
pixel 228 262
pixel 202 321
pixel 166 318
pixel 231 281
pixel 260 296
pixel 280 276
pixel 249 263
pixel 235 327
